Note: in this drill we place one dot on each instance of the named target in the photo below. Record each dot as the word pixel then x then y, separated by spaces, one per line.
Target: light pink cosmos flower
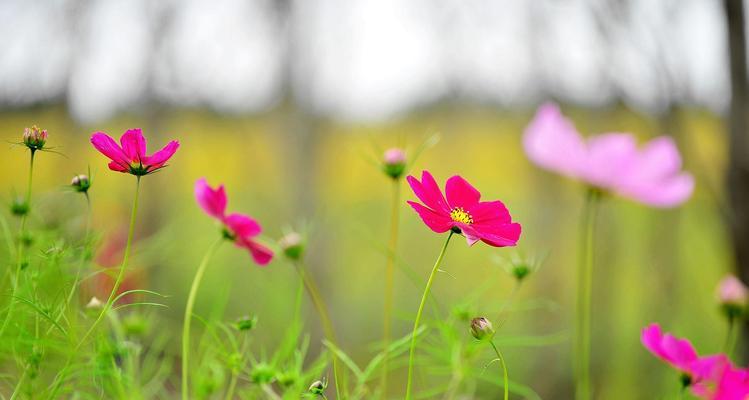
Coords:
pixel 463 212
pixel 240 228
pixel 611 161
pixel 130 155
pixel 731 291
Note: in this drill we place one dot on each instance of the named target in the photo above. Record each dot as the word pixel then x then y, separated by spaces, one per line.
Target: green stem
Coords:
pixel 21 246
pixel 424 297
pixel 188 315
pixel 235 374
pixel 389 277
pixel 584 295
pixel 322 310
pixel 123 267
pixel 731 336
pixel 504 369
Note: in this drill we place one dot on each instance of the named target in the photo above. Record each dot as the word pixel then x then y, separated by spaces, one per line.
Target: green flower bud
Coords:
pixel 245 323
pixel 292 245
pixel 19 207
pixel 34 138
pixel 394 162
pixel 318 387
pixel 81 183
pixel 481 328
pixel 262 373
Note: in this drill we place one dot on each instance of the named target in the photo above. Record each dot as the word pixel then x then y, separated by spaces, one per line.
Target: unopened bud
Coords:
pixel 318 387
pixel 394 162
pixel 19 207
pixel 520 271
pixel 262 373
pixel 481 328
pixel 34 138
pixel 292 245
pixel 80 183
pixel 733 295
pixel 245 323
pixel 94 303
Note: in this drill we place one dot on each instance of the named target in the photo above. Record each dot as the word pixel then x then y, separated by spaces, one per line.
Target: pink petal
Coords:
pixel 107 146
pixel 490 212
pixel 429 192
pixel 134 145
pixel 658 159
pixel 437 222
pixel 611 157
pixel 115 166
pixel 460 193
pixel 499 235
pixel 242 225
pixel 158 159
pixel 261 254
pixel 212 201
pixel 651 338
pixel 664 194
pixel 552 142
pixel 680 351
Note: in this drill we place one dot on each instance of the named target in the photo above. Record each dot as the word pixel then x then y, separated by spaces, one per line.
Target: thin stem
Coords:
pixel 188 315
pixel 20 246
pixel 424 297
pixel 504 369
pixel 584 294
pixel 322 310
pixel 123 267
pixel 731 336
pixel 389 277
pixel 235 374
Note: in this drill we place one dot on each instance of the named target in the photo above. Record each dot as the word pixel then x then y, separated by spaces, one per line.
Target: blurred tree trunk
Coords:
pixel 737 178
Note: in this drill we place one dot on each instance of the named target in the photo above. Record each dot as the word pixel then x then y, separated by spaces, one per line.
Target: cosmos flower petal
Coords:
pixel 499 235
pixel 107 146
pixel 158 159
pixel 429 192
pixel 489 212
pixel 260 253
pixel 242 225
pixel 134 145
pixel 212 201
pixel 460 193
pixel 117 166
pixel 552 142
pixel 437 222
pixel 665 194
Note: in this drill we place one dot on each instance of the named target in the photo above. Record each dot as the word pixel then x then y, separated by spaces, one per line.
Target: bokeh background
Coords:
pixel 288 102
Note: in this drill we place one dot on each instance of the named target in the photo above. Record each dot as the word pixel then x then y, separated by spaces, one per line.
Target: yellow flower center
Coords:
pixel 460 215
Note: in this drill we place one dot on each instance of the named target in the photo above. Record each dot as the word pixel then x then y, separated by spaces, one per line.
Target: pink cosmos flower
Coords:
pixel 130 155
pixel 463 212
pixel 721 380
pixel 240 228
pixel 611 161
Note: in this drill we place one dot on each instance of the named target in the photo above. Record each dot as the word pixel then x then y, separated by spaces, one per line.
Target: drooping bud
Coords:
pixel 81 183
pixel 34 138
pixel 246 323
pixel 732 295
pixel 481 328
pixel 292 245
pixel 318 387
pixel 394 162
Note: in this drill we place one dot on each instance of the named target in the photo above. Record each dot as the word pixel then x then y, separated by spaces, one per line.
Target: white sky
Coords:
pixel 359 59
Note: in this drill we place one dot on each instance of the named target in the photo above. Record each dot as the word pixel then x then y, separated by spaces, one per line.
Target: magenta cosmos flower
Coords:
pixel 129 156
pixel 676 352
pixel 611 161
pixel 239 228
pixel 463 212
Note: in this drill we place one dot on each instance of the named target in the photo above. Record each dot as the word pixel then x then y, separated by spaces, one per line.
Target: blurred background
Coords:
pixel 288 102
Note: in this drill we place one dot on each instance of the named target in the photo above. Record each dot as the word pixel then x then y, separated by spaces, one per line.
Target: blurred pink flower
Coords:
pixel 131 157
pixel 720 379
pixel 461 211
pixel 394 156
pixel 240 228
pixel 678 353
pixel 611 161
pixel 731 291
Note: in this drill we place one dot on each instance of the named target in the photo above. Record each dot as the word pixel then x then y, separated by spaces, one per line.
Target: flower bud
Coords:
pixel 34 138
pixel 19 207
pixel 245 323
pixel 94 303
pixel 81 183
pixel 262 373
pixel 732 295
pixel 292 245
pixel 394 162
pixel 520 271
pixel 318 387
pixel 481 328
